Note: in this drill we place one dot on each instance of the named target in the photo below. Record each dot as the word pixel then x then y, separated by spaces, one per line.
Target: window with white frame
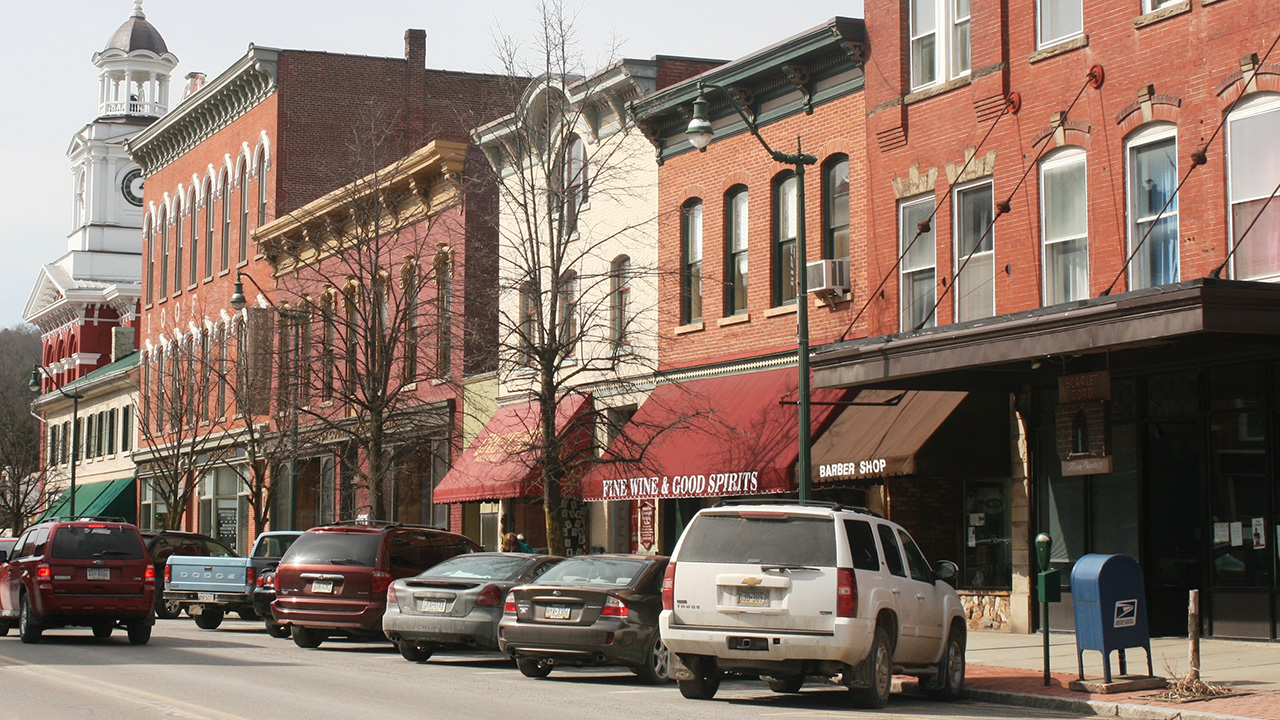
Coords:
pixel 1058 20
pixel 691 265
pixel 619 302
pixel 1151 160
pixel 786 224
pixel 1064 226
pixel 939 41
pixel 975 286
pixel 736 243
pixel 1153 5
pixel 1253 162
pixel 918 267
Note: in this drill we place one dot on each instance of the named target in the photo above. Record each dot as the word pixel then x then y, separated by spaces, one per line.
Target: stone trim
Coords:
pixel 929 92
pixel 1059 48
pixel 1161 14
pixel 781 310
pixel 690 328
pixel 915 183
pixel 733 319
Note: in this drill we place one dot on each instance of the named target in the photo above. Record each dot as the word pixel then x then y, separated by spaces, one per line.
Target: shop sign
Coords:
pixel 648 533
pixel 855 469
pixel 1082 423
pixel 664 486
pixel 1084 387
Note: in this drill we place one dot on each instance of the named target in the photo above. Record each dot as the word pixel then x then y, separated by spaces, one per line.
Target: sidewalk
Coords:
pixel 1008 669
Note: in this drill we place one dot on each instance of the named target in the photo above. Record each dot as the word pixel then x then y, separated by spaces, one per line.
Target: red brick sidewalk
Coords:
pixel 1264 705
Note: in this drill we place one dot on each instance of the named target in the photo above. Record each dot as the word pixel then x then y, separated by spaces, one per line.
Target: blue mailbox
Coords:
pixel 1110 609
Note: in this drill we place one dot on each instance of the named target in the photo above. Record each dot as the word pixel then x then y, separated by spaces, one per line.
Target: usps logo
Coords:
pixel 1126 613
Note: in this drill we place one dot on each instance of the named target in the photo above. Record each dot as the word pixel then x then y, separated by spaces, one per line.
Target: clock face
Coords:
pixel 131 187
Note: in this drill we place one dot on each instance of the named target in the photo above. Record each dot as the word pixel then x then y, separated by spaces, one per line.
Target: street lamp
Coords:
pixel 700 133
pixel 75 398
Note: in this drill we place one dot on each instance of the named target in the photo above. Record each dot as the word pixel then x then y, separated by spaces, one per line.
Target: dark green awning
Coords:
pixel 111 498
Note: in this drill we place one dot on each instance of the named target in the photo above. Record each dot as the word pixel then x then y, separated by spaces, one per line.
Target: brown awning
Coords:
pixel 868 441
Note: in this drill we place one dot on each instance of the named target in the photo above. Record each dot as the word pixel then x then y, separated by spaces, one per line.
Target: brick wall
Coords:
pixel 672 70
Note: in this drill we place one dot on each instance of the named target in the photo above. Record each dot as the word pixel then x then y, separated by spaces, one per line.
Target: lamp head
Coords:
pixel 34 383
pixel 699 130
pixel 237 295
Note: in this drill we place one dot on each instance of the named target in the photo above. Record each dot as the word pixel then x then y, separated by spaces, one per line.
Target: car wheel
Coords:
pixel 881 659
pixel 533 667
pixel 413 652
pixel 306 637
pixel 139 631
pixel 247 614
pixel 29 629
pixel 276 631
pixel 949 684
pixel 209 618
pixel 167 609
pixel 655 671
pixel 786 684
pixel 706 680
pixel 102 631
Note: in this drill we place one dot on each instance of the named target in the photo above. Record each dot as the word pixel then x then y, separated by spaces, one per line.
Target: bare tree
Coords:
pixel 22 491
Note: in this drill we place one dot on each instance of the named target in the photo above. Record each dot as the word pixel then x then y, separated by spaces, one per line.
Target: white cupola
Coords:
pixel 134 68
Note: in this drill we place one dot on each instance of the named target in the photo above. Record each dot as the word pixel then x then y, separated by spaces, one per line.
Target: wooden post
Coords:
pixel 1193 636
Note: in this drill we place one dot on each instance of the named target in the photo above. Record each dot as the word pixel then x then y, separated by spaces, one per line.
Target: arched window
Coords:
pixel 149 236
pixel 160 392
pixel 194 245
pixel 261 171
pixel 691 262
pixel 735 248
pixel 574 180
pixel 208 228
pixel 1151 164
pixel 835 208
pixel 350 301
pixel 444 313
pixel 224 195
pixel 328 312
pixel 619 301
pixel 1064 226
pixel 243 181
pixel 410 283
pixel 785 226
pixel 206 356
pixel 177 245
pixel 164 253
pixel 1253 167
pixel 220 409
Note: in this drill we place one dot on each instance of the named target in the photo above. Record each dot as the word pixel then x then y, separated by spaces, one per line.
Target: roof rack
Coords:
pixel 790 501
pixel 367 523
pixel 85 518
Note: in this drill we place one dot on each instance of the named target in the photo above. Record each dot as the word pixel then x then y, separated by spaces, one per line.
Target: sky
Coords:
pixel 49 83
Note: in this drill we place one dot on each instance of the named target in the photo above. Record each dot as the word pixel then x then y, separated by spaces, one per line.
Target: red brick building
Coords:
pixel 1067 211
pixel 272 133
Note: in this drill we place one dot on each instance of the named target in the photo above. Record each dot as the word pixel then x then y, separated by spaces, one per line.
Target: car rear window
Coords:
pixel 480 567
pixel 731 538
pixel 334 549
pixel 862 545
pixel 82 542
pixel 605 572
pixel 274 546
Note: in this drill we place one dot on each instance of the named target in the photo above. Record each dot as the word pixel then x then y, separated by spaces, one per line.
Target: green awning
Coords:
pixel 110 498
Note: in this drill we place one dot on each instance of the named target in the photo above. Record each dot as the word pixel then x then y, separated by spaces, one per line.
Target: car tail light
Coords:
pixel 261 580
pixel 490 596
pixel 44 573
pixel 669 588
pixel 268 581
pixel 391 595
pixel 381 581
pixel 250 576
pixel 613 607
pixel 168 574
pixel 509 607
pixel 150 573
pixel 846 593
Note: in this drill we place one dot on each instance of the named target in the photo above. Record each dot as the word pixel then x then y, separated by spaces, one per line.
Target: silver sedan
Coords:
pixel 458 603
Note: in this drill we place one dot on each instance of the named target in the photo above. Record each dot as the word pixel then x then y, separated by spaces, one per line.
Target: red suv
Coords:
pixel 88 572
pixel 333 580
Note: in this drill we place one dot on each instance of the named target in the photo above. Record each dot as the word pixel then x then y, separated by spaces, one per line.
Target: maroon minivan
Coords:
pixel 88 572
pixel 333 579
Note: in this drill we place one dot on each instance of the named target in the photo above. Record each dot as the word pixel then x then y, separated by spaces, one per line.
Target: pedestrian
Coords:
pixel 509 543
pixel 521 545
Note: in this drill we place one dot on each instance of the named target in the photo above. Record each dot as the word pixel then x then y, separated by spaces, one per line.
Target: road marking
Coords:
pixel 125 693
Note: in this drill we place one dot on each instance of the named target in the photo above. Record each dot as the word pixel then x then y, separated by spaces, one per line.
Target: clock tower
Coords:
pixel 95 285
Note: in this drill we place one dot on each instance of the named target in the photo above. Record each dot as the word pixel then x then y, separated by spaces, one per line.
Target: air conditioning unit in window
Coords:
pixel 828 277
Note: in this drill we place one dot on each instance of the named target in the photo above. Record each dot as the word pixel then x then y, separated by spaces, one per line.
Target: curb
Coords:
pixel 1100 708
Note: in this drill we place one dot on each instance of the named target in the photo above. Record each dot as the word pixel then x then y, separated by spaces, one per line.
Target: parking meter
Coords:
pixel 1049 589
pixel 1043 543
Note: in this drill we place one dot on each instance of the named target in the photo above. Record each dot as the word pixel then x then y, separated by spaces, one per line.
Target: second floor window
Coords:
pixel 975 284
pixel 568 313
pixel 527 327
pixel 619 301
pixel 164 254
pixel 919 268
pixel 195 241
pixel 261 171
pixel 939 41
pixel 835 208
pixel 691 262
pixel 735 235
pixel 785 227
pixel 177 246
pixel 1152 175
pixel 1064 227
pixel 208 230
pixel 225 196
pixel 1058 20
pixel 244 212
pixel 150 236
pixel 1253 146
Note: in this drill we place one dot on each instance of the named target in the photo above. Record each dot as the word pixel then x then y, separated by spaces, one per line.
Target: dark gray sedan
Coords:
pixel 589 610
pixel 458 603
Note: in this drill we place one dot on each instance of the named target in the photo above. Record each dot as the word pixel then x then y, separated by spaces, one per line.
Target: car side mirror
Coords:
pixel 946 570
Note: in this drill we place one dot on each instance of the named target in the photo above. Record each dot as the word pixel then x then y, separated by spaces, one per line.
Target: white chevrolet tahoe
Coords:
pixel 789 591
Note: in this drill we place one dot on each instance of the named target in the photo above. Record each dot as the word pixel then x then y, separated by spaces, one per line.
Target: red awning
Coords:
pixel 714 437
pixel 502 462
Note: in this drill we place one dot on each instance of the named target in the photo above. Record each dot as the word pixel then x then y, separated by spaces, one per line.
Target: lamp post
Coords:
pixel 75 399
pixel 700 133
pixel 238 302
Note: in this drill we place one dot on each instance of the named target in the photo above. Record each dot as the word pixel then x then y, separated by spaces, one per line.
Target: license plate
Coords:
pixel 99 573
pixel 557 612
pixel 204 597
pixel 322 586
pixel 433 606
pixel 753 598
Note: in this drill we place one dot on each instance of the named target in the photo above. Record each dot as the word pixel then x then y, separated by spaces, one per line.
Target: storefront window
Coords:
pixel 1240 500
pixel 151 509
pixel 988 555
pixel 224 510
pixel 1172 394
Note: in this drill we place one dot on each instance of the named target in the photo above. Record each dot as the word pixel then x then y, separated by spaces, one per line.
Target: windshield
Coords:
pixel 480 567
pixel 84 542
pixel 732 538
pixel 334 549
pixel 273 546
pixel 605 572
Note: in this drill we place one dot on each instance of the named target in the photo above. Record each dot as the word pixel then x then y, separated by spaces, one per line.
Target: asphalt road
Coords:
pixel 238 671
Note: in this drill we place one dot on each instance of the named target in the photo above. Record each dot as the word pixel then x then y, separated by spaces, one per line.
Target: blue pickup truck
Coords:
pixel 210 587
